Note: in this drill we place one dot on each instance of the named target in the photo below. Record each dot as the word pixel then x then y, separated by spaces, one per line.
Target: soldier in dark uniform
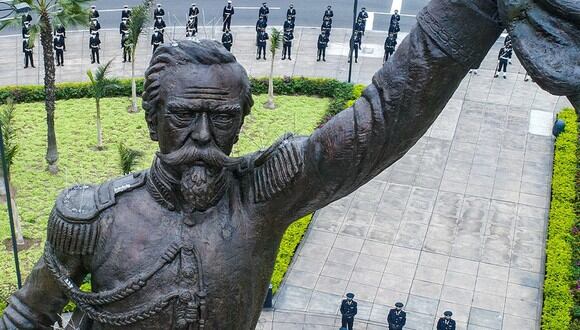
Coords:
pixel 126 12
pixel 261 43
pixel 61 31
pixel 27 48
pixel 359 28
pixel 397 317
pixel 394 28
pixel 395 18
pixel 158 12
pixel 126 45
pixel 123 29
pixel 261 24
pixel 263 12
pixel 159 24
pixel 287 45
pixel 348 310
pixel 503 58
pixel 289 25
pixel 227 16
pixel 193 13
pixel 95 46
pixel 58 45
pixel 94 13
pixel 228 40
pixel 326 27
pixel 26 30
pixel 446 322
pixel 291 13
pixel 390 44
pixel 322 44
pixel 328 13
pixel 191 27
pixel 363 16
pixel 95 26
pixel 354 46
pixel 156 39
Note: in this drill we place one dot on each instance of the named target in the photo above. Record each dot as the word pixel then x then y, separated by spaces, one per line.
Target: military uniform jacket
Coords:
pixel 322 41
pixel 94 42
pixel 363 16
pixel 158 12
pixel 261 24
pixel 291 13
pixel 25 46
pixel 288 37
pixel 394 27
pixel 25 32
pixel 347 309
pixel 326 26
pixel 227 39
pixel 328 13
pixel 262 38
pixel 61 30
pixel 94 14
pixel 156 38
pixel 126 13
pixel 123 28
pixel 263 12
pixel 396 320
pixel 153 266
pixel 95 26
pixel 288 26
pixel 159 25
pixel 355 41
pixel 228 12
pixel 193 12
pixel 58 42
pixel 444 324
pixel 505 54
pixel 390 44
pixel 395 18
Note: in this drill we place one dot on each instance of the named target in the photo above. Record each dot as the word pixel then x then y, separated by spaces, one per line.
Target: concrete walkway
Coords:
pixel 458 223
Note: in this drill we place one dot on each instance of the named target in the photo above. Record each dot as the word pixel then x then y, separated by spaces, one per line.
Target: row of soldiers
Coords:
pixel 262 36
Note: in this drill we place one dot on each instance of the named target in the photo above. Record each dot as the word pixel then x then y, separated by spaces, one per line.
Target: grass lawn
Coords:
pixel 79 162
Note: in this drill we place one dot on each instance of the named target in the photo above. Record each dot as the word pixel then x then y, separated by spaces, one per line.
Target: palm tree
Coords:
pixel 137 26
pixel 275 38
pixel 10 151
pixel 128 158
pixel 101 84
pixel 47 12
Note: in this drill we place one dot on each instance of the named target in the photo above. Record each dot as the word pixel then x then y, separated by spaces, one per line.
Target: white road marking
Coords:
pixel 397 4
pixel 540 123
pixel 384 13
pixel 255 8
pixel 370 21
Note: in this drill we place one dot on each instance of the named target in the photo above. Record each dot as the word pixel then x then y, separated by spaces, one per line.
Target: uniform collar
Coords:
pixel 161 185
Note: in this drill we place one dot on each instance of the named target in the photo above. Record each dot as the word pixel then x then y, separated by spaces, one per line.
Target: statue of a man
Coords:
pixel 191 242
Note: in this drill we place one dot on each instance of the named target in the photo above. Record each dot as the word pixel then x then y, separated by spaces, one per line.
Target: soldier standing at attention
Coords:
pixel 126 45
pixel 58 45
pixel 126 12
pixel 191 27
pixel 395 18
pixel 446 322
pixel 322 44
pixel 158 12
pixel 159 24
pixel 156 39
pixel 289 25
pixel 394 26
pixel 26 18
pixel 263 12
pixel 291 14
pixel 123 29
pixel 397 317
pixel 95 46
pixel 95 26
pixel 261 24
pixel 359 29
pixel 26 30
pixel 227 15
pixel 363 16
pixel 94 13
pixel 261 43
pixel 61 32
pixel 227 40
pixel 193 12
pixel 328 13
pixel 287 45
pixel 503 58
pixel 354 46
pixel 326 26
pixel 348 310
pixel 390 44
pixel 27 47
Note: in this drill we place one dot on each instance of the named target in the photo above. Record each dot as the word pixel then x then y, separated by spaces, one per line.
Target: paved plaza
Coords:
pixel 458 223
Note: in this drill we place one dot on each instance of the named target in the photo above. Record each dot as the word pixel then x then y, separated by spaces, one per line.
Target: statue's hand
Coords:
pixel 546 39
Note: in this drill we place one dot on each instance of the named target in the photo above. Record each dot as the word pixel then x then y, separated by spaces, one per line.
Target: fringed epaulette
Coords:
pixel 73 226
pixel 276 168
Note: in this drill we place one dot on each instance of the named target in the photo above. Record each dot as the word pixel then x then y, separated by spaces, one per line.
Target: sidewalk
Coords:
pixel 458 223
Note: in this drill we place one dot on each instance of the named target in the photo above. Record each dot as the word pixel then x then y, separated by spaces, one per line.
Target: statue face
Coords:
pixel 200 107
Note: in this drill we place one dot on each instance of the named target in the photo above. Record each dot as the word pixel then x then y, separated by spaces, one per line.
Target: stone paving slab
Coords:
pixel 458 223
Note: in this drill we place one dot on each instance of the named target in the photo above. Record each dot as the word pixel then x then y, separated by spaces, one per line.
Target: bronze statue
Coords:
pixel 191 243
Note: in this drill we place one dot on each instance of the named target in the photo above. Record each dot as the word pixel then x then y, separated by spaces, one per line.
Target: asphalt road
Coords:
pixel 309 13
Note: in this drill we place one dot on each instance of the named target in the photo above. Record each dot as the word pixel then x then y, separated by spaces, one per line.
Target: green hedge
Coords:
pixel 342 94
pixel 558 300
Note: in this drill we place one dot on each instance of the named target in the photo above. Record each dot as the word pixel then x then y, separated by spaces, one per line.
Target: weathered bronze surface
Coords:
pixel 191 243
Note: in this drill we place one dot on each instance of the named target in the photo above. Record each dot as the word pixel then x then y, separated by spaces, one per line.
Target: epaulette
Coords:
pixel 72 226
pixel 276 167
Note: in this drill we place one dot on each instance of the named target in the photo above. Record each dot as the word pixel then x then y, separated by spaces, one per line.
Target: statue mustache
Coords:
pixel 189 154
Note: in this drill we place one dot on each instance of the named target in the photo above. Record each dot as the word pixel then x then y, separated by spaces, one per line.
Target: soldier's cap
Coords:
pixel 93 6
pixel 350 295
pixel 399 304
pixel 447 313
pixel 363 8
pixel 126 6
pixel 158 5
pixel 193 4
pixel 229 1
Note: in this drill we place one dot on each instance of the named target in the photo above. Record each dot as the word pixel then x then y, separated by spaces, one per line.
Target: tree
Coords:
pixel 137 26
pixel 10 151
pixel 101 84
pixel 275 38
pixel 128 158
pixel 67 13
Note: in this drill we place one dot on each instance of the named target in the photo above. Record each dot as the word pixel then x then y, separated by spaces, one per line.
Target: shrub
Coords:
pixel 558 301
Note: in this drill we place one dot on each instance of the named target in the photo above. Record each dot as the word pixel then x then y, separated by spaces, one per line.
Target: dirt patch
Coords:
pixel 28 243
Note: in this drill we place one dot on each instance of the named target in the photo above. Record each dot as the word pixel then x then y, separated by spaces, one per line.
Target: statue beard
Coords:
pixel 204 176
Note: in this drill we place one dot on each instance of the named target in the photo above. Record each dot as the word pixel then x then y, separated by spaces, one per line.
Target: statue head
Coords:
pixel 195 97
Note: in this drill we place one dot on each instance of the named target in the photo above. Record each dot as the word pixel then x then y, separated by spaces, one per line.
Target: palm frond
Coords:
pixel 8 132
pixel 71 13
pixel 128 158
pixel 275 38
pixel 140 18
pixel 100 81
